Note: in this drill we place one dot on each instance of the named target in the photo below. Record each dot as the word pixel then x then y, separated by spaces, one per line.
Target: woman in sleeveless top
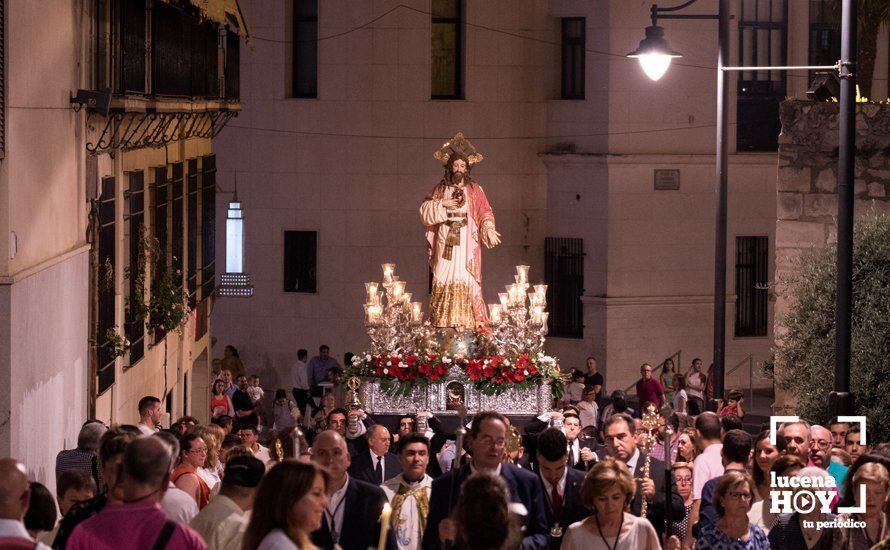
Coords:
pixel 193 453
pixel 220 404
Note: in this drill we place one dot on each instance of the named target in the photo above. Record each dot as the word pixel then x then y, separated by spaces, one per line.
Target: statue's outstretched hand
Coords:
pixel 492 237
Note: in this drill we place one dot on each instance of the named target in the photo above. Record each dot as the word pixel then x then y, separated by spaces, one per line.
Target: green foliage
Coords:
pixel 115 343
pixel 165 307
pixel 806 352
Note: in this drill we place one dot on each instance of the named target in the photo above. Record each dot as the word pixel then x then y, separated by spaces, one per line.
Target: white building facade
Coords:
pixel 600 179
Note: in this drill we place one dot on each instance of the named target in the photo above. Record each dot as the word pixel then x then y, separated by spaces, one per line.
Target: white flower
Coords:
pixel 402 364
pixel 506 362
pixel 446 360
pixel 389 363
pixel 525 372
pixel 385 371
pixel 367 357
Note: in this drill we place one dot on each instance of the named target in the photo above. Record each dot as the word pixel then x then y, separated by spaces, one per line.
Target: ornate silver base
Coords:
pixel 447 395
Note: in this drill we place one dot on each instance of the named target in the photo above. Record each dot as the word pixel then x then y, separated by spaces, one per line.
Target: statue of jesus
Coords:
pixel 458 220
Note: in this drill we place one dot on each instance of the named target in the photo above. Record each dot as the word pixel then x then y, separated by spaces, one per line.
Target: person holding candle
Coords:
pixel 458 221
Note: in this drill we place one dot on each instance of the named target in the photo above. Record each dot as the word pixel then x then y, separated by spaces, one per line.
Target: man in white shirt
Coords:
pixel 409 492
pixel 707 465
pixel 223 522
pixel 351 519
pixel 149 415
pixel 300 383
pixel 250 440
pixel 176 503
pixel 15 496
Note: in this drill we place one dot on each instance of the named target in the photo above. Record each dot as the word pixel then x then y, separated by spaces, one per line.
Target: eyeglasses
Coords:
pixel 738 495
pixel 200 451
pixel 683 480
pixel 822 444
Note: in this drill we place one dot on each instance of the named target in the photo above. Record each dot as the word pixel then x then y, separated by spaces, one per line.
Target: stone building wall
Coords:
pixel 806 189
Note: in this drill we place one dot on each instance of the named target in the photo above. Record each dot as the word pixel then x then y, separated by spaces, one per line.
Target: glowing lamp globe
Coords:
pixel 654 53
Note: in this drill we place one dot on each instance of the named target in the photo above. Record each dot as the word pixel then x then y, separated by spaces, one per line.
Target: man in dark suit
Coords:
pixel 377 464
pixel 621 444
pixel 352 518
pixel 487 443
pixel 561 485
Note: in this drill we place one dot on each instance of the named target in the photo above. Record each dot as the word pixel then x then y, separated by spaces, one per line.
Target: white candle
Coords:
pixel 495 313
pixel 371 289
pixel 502 296
pixel 384 526
pixel 388 271
pixel 522 271
pixel 416 312
pixel 398 288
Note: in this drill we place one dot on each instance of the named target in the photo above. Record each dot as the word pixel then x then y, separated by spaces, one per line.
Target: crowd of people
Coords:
pixel 310 472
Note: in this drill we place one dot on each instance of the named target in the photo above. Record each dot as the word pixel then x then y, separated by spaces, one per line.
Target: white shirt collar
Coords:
pixel 14 529
pixel 560 485
pixel 632 461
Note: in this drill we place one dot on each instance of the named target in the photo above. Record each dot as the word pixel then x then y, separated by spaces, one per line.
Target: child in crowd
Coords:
pixel 256 393
pixel 587 407
pixel 574 391
pixel 733 404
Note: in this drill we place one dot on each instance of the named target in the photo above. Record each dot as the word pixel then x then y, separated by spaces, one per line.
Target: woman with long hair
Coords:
pixel 687 450
pixel 220 403
pixel 289 505
pixel 679 397
pixel 784 466
pixel 732 500
pixel 608 491
pixel 192 455
pixel 765 454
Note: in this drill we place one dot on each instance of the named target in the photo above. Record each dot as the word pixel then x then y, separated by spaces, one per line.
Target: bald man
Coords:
pixel 15 495
pixel 356 500
pixel 376 464
pixel 138 521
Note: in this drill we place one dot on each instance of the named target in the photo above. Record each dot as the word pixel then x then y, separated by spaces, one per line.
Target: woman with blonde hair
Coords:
pixel 875 479
pixel 608 491
pixel 289 505
pixel 683 478
pixel 732 499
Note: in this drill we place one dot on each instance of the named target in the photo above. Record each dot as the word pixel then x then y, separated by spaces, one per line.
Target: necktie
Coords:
pixel 556 503
pixel 378 471
pixel 572 454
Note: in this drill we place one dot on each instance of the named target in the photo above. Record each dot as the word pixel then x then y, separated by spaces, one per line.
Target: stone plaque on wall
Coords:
pixel 667 180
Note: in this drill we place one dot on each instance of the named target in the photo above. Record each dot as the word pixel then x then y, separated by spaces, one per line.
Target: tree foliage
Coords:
pixel 806 352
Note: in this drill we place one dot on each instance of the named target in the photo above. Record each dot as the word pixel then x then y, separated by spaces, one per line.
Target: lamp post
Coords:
pixel 655 57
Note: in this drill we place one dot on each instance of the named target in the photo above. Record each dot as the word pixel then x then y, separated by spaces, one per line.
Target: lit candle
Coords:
pixel 371 289
pixel 416 312
pixel 407 298
pixel 384 526
pixel 373 312
pixel 502 296
pixel 398 288
pixel 495 313
pixel 522 271
pixel 388 271
pixel 544 317
pixel 513 293
pixel 541 291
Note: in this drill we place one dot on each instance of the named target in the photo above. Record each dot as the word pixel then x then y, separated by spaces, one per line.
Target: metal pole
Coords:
pixel 720 233
pixel 841 399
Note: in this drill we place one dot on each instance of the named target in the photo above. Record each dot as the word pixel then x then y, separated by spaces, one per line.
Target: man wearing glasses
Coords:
pixel 821 444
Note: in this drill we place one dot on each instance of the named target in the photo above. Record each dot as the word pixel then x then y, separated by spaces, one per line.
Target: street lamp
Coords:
pixel 654 54
pixel 655 57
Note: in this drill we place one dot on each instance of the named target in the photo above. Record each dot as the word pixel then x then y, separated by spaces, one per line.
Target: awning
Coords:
pixel 224 12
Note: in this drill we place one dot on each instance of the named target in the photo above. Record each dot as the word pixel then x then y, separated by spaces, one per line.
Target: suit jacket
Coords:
pixel 361 519
pixel 572 509
pixel 657 508
pixel 525 487
pixel 362 467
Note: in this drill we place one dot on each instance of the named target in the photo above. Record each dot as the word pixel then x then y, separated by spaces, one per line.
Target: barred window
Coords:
pixel 446 52
pixel 135 218
pixel 305 49
pixel 573 44
pixel 564 275
pixel 751 279
pixel 105 276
